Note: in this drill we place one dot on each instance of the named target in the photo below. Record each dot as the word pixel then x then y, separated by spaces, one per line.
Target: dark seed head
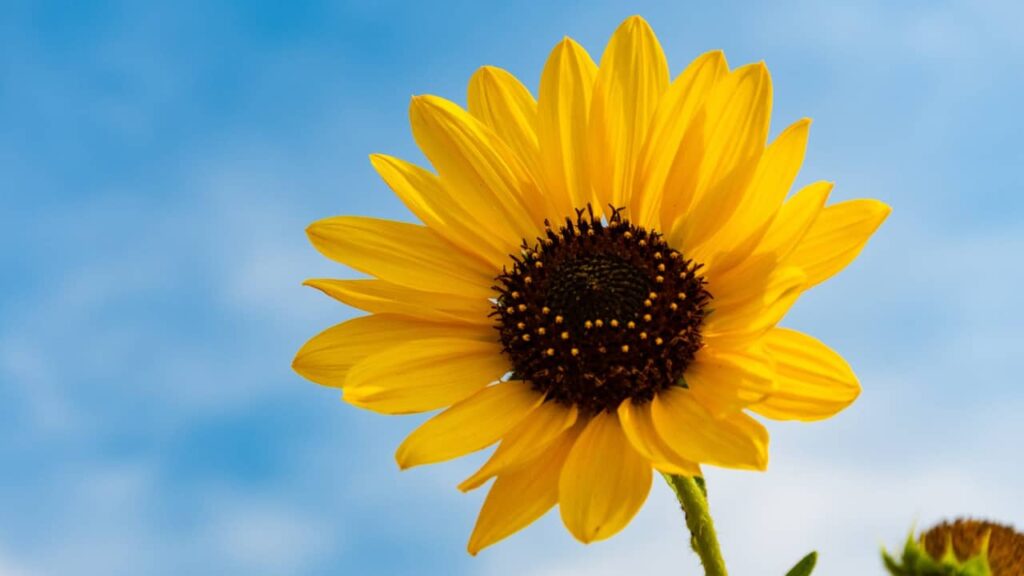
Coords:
pixel 606 311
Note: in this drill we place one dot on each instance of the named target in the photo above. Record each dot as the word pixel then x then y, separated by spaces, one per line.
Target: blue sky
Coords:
pixel 159 162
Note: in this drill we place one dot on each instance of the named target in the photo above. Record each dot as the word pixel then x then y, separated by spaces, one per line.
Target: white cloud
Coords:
pixel 10 567
pixel 255 537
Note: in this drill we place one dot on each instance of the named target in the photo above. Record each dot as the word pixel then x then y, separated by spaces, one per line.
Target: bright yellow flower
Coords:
pixel 596 285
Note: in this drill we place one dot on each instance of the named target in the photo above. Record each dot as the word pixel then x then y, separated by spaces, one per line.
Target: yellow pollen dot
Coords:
pixel 522 307
pixel 657 255
pixel 565 335
pixel 643 335
pixel 658 341
pixel 510 310
pixel 661 267
pixel 599 322
pixel 538 264
pixel 627 235
pixel 659 279
pixel 515 294
pixel 521 325
pixel 647 302
pixel 642 242
pixel 546 310
pixel 673 306
pixel 653 295
pixel 614 323
pixel 625 347
pixel 527 280
pixel 588 324
pixel 559 319
pixel 542 331
pixel 682 275
pixel 590 231
pixel 674 255
pixel 602 349
pixel 575 351
pixel 681 295
pixel 526 337
pixel 550 351
pixel 647 317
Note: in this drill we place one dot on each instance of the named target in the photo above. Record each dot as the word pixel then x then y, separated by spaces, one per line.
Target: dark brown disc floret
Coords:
pixel 600 311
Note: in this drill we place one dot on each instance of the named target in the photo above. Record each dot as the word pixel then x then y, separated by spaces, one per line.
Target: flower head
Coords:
pixel 961 548
pixel 596 285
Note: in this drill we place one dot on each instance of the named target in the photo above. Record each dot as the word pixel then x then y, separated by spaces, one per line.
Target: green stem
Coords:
pixel 691 496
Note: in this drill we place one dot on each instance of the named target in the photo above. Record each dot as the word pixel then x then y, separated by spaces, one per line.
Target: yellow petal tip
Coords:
pixel 636 20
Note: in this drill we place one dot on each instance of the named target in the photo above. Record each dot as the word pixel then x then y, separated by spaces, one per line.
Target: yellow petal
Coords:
pixel 632 77
pixel 520 496
pixel 730 441
pixel 424 375
pixel 719 155
pixel 638 426
pixel 675 111
pixel 604 481
pixel 404 254
pixel 794 220
pixel 730 380
pixel 813 381
pixel 384 297
pixel 423 195
pixel 327 357
pixel 563 108
pixel 501 102
pixel 534 434
pixel 471 425
pixel 837 237
pixel 774 177
pixel 477 167
pixel 748 314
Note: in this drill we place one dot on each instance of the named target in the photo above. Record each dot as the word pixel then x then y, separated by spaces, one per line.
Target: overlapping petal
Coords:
pixel 404 254
pixel 777 170
pixel 718 157
pixel 727 381
pixel 630 81
pixel 672 118
pixel 837 236
pixel 733 440
pixel 501 102
pixel 443 213
pixel 812 381
pixel 520 496
pixel 470 425
pixel 604 481
pixel 478 168
pixel 638 425
pixel 328 357
pixel 423 375
pixel 563 110
pixel 538 430
pixel 383 297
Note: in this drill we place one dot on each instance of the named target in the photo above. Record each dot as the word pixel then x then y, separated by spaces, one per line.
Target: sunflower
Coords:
pixel 596 283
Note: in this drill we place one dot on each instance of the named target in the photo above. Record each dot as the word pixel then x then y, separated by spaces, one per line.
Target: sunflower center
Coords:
pixel 597 312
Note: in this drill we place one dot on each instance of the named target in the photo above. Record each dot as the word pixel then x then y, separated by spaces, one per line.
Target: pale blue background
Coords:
pixel 158 164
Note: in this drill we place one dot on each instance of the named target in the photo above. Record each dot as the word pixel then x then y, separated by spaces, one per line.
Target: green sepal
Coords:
pixel 916 561
pixel 805 566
